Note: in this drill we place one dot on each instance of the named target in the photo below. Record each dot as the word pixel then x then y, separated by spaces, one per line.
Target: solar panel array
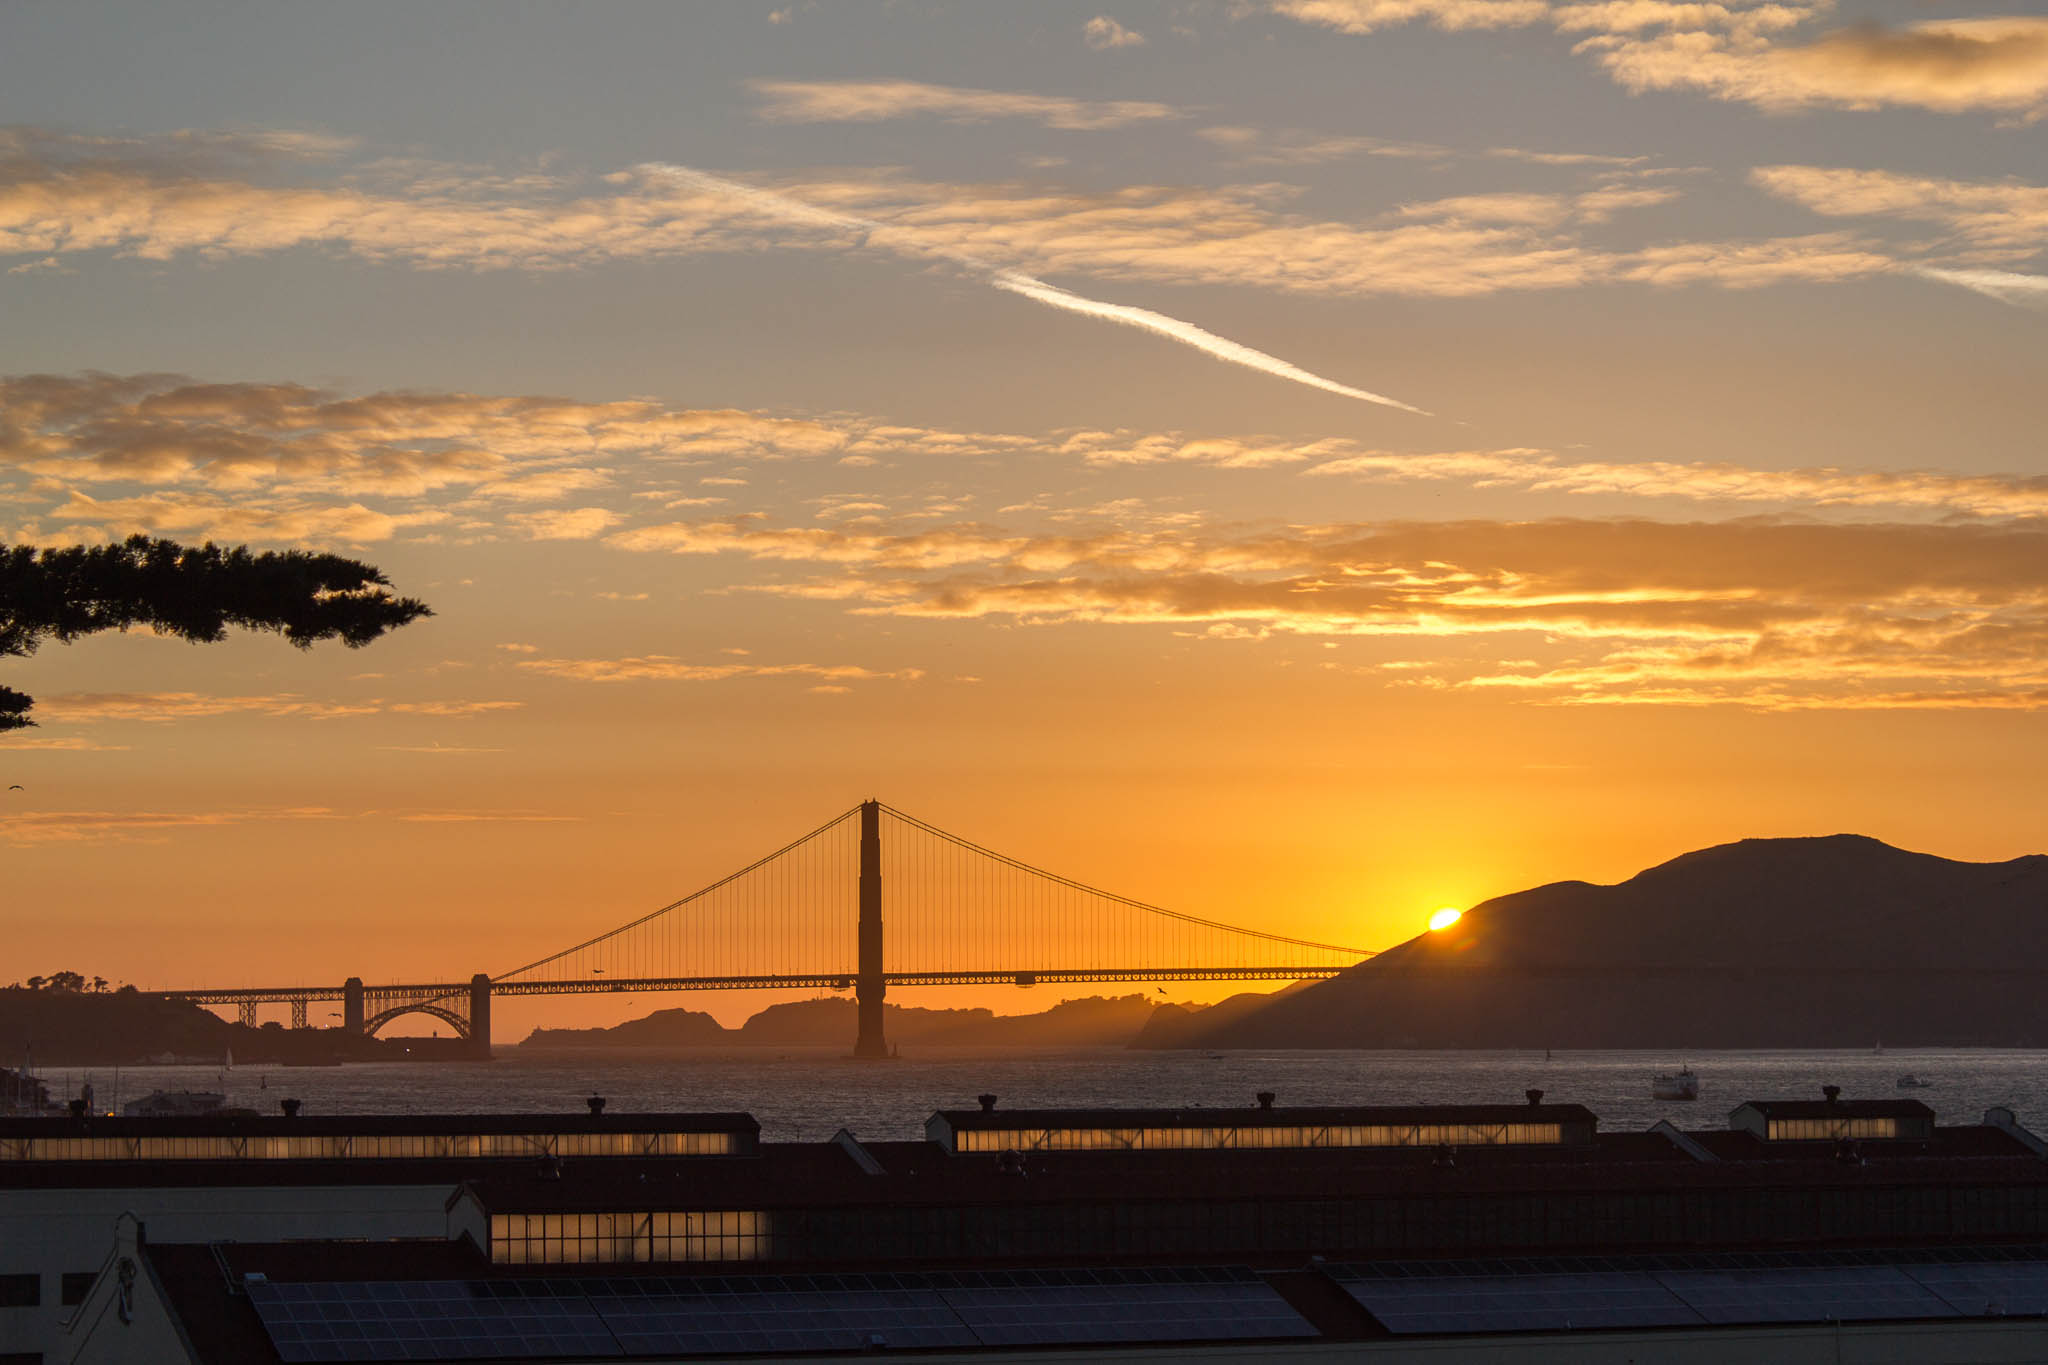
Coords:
pixel 738 1314
pixel 428 1320
pixel 1060 1307
pixel 1568 1293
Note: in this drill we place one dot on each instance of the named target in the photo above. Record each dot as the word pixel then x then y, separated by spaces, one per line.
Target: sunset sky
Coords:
pixel 1302 462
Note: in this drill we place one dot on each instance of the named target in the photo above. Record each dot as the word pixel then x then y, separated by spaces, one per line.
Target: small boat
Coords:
pixel 1912 1082
pixel 1683 1086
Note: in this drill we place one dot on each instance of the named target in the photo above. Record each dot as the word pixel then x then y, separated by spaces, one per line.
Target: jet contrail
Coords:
pixel 2023 291
pixel 1186 333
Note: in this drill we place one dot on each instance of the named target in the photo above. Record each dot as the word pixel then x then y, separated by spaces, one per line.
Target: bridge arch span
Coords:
pixel 377 1021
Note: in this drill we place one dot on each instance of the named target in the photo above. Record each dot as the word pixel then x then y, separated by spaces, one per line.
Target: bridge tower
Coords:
pixel 352 1006
pixel 480 1015
pixel 869 984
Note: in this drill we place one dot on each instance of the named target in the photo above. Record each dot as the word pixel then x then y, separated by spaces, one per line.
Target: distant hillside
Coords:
pixel 1092 1022
pixel 110 1028
pixel 1830 942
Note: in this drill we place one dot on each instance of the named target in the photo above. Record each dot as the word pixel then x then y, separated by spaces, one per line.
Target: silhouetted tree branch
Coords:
pixel 195 594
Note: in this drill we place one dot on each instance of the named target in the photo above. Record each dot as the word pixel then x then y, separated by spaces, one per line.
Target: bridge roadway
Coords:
pixel 238 995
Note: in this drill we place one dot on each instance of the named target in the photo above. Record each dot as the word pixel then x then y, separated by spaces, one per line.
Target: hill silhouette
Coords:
pixel 1095 1021
pixel 1841 941
pixel 127 1027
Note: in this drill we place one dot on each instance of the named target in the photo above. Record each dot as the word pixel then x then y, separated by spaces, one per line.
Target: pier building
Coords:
pixel 1495 1232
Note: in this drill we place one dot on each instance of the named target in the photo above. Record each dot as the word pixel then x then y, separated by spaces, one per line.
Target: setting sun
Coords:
pixel 1446 917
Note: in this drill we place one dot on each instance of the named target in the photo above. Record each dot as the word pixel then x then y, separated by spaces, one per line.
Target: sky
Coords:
pixel 1300 462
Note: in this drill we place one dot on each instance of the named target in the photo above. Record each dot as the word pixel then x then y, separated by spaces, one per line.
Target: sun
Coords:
pixel 1446 917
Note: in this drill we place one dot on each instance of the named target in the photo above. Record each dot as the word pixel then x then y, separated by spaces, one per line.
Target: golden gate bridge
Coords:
pixel 811 915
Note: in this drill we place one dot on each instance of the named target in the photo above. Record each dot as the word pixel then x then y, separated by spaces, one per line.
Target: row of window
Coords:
pixel 600 1238
pixel 26 1291
pixel 1262 1135
pixel 1478 1224
pixel 1808 1130
pixel 361 1146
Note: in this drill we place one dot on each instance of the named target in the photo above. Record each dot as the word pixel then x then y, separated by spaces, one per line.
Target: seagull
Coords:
pixel 16 787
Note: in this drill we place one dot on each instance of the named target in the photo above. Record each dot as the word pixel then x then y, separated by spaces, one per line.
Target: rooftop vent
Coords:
pixel 1266 1098
pixel 596 1103
pixel 290 1107
pixel 1831 1092
pixel 1535 1097
pixel 988 1103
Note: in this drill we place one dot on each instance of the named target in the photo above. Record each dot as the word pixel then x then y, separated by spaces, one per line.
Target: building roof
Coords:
pixel 372 1125
pixel 1833 1109
pixel 922 1174
pixel 1267 1117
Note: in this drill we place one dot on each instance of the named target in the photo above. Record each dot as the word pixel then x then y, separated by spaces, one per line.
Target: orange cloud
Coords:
pixel 1622 608
pixel 79 707
pixel 876 101
pixel 1142 233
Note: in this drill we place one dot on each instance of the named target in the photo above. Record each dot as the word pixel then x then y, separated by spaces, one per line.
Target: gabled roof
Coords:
pixel 1267 1118
pixel 1829 1109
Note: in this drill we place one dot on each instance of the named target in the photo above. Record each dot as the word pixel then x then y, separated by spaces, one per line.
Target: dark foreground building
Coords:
pixel 1826 1231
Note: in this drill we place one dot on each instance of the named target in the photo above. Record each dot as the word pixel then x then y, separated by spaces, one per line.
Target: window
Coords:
pixel 1812 1130
pixel 75 1285
pixel 1257 1135
pixel 21 1291
pixel 604 1238
pixel 365 1146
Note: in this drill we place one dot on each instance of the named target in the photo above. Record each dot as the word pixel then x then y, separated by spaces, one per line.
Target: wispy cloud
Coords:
pixel 2000 218
pixel 1946 65
pixel 875 101
pixel 80 707
pixel 1105 34
pixel 1740 49
pixel 1753 612
pixel 1242 236
pixel 665 668
pixel 99 826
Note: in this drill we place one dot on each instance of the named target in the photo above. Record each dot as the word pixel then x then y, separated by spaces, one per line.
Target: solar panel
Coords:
pixel 426 1320
pixel 1806 1294
pixel 1988 1288
pixel 1553 1293
pixel 1055 1307
pixel 722 1314
pixel 1517 1303
pixel 737 1314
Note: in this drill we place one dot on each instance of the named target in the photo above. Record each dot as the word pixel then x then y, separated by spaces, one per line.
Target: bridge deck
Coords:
pixel 803 981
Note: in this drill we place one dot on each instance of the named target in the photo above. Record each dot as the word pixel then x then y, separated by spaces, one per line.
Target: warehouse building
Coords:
pixel 1485 1232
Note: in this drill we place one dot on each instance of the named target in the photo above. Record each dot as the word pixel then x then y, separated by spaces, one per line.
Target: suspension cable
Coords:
pixel 1069 882
pixel 694 895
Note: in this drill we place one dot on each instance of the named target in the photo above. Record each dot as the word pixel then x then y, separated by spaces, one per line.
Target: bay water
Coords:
pixel 807 1094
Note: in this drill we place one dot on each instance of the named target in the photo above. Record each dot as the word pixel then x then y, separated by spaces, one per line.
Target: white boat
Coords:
pixel 1683 1086
pixel 1912 1082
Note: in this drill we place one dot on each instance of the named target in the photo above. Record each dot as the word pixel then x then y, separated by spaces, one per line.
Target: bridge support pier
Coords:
pixel 299 1012
pixel 352 1005
pixel 248 1013
pixel 870 985
pixel 480 1015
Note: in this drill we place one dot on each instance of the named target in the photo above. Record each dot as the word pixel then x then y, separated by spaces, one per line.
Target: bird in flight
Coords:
pixel 16 787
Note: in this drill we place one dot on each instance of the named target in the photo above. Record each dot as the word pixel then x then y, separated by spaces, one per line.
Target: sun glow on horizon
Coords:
pixel 1445 918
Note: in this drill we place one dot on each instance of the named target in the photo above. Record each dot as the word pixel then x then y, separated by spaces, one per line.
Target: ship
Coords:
pixel 1683 1086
